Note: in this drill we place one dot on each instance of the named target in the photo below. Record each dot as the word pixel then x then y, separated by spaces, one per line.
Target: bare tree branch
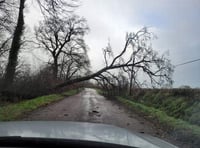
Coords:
pixel 63 37
pixel 142 59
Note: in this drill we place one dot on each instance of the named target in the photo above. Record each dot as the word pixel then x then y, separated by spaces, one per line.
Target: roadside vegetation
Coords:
pixel 177 111
pixel 182 104
pixel 185 131
pixel 14 111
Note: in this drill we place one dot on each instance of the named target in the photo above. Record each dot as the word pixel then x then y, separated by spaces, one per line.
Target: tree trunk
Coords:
pixel 131 82
pixel 88 77
pixel 55 68
pixel 15 47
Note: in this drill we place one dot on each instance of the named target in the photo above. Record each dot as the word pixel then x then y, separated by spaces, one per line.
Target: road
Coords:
pixel 89 106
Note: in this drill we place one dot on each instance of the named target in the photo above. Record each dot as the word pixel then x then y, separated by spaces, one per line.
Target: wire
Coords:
pixel 188 62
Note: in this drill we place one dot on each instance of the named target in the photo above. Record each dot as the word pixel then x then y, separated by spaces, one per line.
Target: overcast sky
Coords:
pixel 175 22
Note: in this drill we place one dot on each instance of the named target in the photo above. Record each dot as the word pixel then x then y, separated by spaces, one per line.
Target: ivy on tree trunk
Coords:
pixel 15 47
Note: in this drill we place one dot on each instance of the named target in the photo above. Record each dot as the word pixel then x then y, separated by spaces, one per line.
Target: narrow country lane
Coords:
pixel 89 106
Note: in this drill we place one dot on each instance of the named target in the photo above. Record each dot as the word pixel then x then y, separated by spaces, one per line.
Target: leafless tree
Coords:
pixel 113 84
pixel 57 8
pixel 157 69
pixel 15 46
pixel 6 20
pixel 6 26
pixel 63 37
pixel 70 66
pixel 52 6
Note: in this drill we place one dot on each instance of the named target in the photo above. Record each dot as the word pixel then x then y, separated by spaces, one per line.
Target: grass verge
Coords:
pixel 99 91
pixel 15 111
pixel 184 128
pixel 70 92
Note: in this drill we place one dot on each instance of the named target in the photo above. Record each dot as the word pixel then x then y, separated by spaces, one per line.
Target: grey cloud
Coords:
pixel 175 22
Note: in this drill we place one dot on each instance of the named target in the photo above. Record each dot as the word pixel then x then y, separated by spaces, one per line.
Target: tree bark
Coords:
pixel 88 77
pixel 15 47
pixel 55 68
pixel 131 82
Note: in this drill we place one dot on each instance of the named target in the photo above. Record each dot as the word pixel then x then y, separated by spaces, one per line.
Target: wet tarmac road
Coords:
pixel 89 106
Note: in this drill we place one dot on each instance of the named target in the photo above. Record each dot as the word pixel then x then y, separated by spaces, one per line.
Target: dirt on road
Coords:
pixel 89 106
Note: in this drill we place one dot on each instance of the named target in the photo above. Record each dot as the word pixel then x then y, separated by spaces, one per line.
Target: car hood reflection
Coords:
pixel 80 131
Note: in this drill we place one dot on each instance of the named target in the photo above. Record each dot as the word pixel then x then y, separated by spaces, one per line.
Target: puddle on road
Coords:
pixel 94 111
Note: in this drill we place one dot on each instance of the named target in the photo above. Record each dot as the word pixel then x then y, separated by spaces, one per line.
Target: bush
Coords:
pixel 28 86
pixel 192 113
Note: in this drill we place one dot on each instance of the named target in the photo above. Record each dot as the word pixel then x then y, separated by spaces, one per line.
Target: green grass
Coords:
pixel 178 103
pixel 99 91
pixel 163 118
pixel 70 92
pixel 15 111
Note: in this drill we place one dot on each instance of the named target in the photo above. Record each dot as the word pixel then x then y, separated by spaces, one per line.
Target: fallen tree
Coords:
pixel 142 58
